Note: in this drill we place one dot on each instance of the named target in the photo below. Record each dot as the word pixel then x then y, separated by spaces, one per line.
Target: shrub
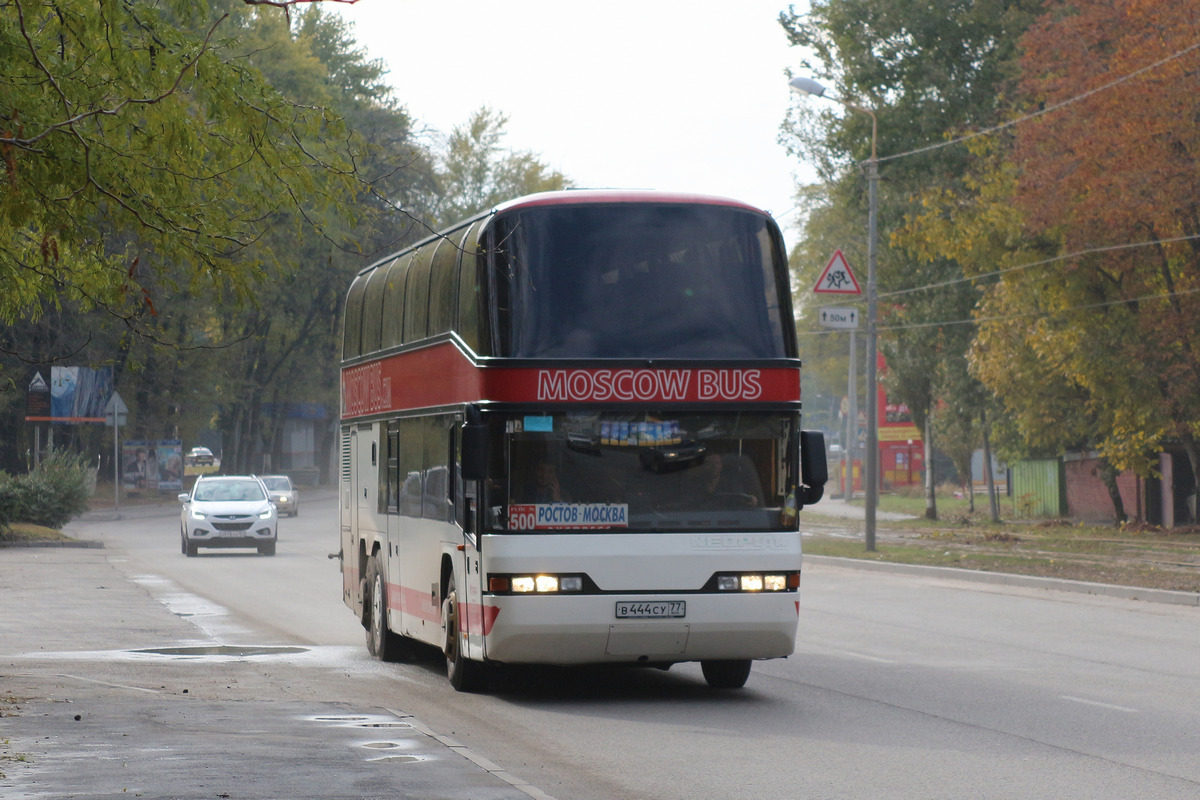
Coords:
pixel 8 499
pixel 51 495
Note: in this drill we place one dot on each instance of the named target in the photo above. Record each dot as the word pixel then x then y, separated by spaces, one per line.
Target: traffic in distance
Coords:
pixel 571 434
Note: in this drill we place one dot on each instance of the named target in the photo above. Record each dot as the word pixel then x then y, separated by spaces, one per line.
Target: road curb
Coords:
pixel 1008 579
pixel 53 543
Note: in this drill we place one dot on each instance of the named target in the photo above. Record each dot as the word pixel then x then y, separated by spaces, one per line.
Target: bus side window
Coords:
pixel 470 274
pixel 352 326
pixel 436 445
pixel 443 284
pixel 393 301
pixel 416 302
pixel 372 312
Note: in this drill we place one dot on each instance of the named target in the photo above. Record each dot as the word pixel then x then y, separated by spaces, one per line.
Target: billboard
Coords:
pixel 67 394
pixel 155 465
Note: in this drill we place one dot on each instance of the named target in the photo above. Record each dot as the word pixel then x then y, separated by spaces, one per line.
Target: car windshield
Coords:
pixel 278 484
pixel 246 491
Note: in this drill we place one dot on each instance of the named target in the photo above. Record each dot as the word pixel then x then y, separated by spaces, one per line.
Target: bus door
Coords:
pixel 462 496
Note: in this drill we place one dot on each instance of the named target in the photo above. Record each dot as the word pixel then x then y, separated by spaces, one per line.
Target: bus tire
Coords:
pixel 465 675
pixel 731 674
pixel 381 642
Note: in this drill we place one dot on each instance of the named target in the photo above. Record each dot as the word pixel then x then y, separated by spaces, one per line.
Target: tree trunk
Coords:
pixel 993 500
pixel 930 484
pixel 1109 475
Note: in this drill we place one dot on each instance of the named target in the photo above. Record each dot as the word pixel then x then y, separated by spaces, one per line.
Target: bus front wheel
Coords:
pixel 730 674
pixel 465 675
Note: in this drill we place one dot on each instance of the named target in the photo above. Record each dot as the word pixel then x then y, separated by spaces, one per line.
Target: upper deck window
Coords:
pixel 639 280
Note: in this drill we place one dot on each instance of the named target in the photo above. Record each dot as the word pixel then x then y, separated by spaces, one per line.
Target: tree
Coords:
pixel 135 139
pixel 477 171
pixel 926 70
pixel 1115 175
pixel 257 319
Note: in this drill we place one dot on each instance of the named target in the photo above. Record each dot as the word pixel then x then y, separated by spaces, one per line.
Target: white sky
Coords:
pixel 683 95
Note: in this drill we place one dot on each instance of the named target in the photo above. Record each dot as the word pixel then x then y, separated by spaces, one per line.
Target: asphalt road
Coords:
pixel 903 686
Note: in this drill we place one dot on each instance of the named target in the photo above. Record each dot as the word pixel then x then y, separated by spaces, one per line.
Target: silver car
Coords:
pixel 228 511
pixel 284 494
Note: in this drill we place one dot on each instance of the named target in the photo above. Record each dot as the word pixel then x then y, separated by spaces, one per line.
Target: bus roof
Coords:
pixel 588 196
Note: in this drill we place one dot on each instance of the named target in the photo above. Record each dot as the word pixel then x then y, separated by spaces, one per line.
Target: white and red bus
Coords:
pixel 571 435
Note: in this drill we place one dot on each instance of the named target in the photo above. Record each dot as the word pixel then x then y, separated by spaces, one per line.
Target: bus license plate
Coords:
pixel 670 609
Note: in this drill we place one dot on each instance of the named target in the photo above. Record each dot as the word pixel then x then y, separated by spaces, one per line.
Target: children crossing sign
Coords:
pixel 837 277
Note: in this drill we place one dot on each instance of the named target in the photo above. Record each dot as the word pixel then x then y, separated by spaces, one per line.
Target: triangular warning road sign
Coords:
pixel 837 277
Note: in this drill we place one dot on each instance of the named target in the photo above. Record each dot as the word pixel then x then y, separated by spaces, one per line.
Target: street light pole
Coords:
pixel 871 465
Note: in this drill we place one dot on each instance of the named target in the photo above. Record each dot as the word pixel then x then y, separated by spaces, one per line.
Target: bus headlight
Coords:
pixel 758 582
pixel 534 584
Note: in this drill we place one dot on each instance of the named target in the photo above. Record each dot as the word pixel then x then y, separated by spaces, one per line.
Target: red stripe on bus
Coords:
pixel 481 618
pixel 443 375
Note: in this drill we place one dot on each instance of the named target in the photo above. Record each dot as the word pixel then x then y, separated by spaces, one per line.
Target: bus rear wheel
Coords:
pixel 381 642
pixel 465 675
pixel 730 674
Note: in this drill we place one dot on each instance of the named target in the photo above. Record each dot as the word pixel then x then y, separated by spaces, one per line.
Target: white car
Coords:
pixel 228 511
pixel 284 494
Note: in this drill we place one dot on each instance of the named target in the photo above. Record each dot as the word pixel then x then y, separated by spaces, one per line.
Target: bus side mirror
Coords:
pixel 474 451
pixel 814 470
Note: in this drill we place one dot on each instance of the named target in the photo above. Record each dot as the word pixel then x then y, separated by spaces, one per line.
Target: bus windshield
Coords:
pixel 631 472
pixel 637 280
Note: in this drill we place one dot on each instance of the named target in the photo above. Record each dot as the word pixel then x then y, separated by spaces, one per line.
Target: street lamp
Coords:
pixel 808 86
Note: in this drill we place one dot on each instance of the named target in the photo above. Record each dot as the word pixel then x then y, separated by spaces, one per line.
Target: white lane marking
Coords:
pixel 1098 704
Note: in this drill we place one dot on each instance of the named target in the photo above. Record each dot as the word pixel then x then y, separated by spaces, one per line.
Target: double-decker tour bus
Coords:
pixel 570 434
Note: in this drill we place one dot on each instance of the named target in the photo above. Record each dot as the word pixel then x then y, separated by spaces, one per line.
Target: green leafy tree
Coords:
pixel 136 139
pixel 927 71
pixel 477 171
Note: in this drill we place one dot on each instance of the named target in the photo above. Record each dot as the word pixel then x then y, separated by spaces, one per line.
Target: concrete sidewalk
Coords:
pixel 106 692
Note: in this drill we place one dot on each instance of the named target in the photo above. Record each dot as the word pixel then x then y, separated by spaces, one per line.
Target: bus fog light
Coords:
pixel 571 583
pixel 728 583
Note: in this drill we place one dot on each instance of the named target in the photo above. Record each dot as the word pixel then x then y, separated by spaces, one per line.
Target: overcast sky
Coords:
pixel 683 95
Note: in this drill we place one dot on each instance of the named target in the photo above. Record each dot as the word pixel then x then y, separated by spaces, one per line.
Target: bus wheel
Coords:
pixel 381 642
pixel 726 674
pixel 465 675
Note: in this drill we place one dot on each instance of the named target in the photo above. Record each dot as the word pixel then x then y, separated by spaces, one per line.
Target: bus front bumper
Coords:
pixel 568 630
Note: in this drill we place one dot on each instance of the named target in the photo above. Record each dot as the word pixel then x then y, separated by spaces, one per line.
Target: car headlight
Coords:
pixel 266 513
pixel 196 514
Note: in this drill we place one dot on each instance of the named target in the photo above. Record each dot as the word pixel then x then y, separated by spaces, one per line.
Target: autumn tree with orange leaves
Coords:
pixel 1111 172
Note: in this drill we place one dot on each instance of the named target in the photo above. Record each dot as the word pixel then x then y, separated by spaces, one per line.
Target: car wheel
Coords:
pixel 465 675
pixel 266 549
pixel 382 642
pixel 730 674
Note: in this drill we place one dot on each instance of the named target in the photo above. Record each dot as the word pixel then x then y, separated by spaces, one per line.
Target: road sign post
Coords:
pixel 115 415
pixel 838 278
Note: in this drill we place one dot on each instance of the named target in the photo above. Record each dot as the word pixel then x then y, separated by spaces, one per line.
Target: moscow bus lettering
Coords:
pixel 570 434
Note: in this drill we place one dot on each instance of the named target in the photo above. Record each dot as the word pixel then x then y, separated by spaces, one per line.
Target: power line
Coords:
pixel 1030 315
pixel 1046 110
pixel 1065 257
